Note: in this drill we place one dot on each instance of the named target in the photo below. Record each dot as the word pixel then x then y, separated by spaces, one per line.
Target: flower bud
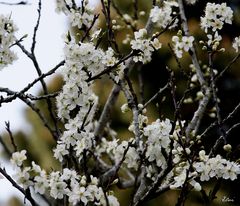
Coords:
pixel 227 147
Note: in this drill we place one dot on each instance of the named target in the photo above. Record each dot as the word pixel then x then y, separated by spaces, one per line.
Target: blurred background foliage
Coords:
pixel 39 142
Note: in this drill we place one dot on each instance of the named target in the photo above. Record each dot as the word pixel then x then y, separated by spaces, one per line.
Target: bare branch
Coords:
pixel 36 27
pixel 15 4
pixel 11 136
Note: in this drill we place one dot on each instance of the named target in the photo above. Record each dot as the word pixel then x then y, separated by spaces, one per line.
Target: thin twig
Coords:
pixel 227 67
pixel 30 85
pixel 222 140
pixel 160 91
pixel 11 136
pixel 135 5
pixel 215 98
pixel 36 27
pixel 91 26
pixel 109 69
pixel 229 117
pixel 110 175
pixel 22 97
pixel 15 4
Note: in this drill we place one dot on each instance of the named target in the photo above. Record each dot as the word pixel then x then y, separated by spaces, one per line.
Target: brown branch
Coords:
pixel 22 97
pixel 109 176
pixel 160 91
pixel 26 193
pixel 112 98
pixel 196 120
pixel 226 119
pixel 192 50
pixel 91 26
pixel 11 136
pixel 222 139
pixel 33 58
pixel 227 67
pixel 109 69
pixel 215 98
pixel 30 85
pixel 36 27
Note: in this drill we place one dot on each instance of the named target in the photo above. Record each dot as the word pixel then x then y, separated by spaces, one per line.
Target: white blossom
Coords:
pixel 236 43
pixel 183 43
pixel 144 46
pixel 158 138
pixel 40 183
pixel 79 194
pixel 215 16
pixel 18 158
pixel 60 152
pixel 23 177
pixel 216 167
pixel 162 17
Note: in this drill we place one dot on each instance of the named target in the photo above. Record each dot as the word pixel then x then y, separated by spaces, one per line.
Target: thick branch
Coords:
pixel 112 98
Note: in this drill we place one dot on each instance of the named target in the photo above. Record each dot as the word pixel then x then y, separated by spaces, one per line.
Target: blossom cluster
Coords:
pixel 7 38
pixel 215 17
pixel 115 152
pixel 205 169
pixel 163 17
pixel 77 101
pixel 217 167
pixel 76 107
pixel 145 46
pixel 59 184
pixel 79 16
pixel 158 138
pixel 182 43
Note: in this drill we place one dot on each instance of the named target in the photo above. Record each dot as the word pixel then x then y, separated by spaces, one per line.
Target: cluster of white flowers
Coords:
pixel 7 38
pixel 162 17
pixel 145 46
pixel 18 158
pixel 115 152
pixel 236 43
pixel 214 40
pixel 24 174
pixel 205 169
pixel 158 138
pixel 216 167
pixel 181 173
pixel 215 17
pixel 77 101
pixel 78 15
pixel 59 184
pixel 182 43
